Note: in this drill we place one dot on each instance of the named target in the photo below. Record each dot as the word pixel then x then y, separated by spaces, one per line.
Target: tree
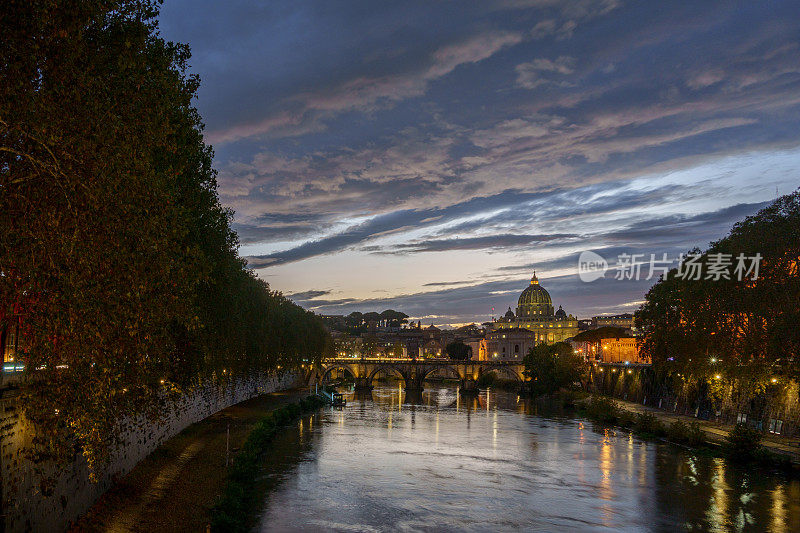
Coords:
pixel 553 366
pixel 394 319
pixel 372 316
pixel 706 332
pixel 354 319
pixel 117 260
pixel 458 350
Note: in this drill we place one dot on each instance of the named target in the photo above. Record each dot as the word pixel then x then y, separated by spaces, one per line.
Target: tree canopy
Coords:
pixel 357 322
pixel 553 366
pixel 729 329
pixel 458 350
pixel 117 260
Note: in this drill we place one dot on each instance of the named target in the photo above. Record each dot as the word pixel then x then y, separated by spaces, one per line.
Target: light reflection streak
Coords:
pixel 630 456
pixel 494 432
pixel 778 509
pixel 606 492
pixel 718 505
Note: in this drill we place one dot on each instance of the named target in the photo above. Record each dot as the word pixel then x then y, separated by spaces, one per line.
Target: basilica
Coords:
pixel 535 322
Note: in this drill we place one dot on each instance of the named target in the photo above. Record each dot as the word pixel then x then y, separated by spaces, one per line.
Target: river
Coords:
pixel 500 463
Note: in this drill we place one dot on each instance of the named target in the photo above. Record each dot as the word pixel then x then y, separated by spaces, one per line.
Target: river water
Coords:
pixel 499 463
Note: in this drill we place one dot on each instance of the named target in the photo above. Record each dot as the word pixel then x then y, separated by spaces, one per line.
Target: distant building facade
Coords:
pixel 536 314
pixel 617 321
pixel 506 344
pixel 9 344
pixel 620 350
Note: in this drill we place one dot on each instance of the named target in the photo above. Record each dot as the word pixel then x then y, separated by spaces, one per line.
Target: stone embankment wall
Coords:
pixel 42 497
pixel 777 407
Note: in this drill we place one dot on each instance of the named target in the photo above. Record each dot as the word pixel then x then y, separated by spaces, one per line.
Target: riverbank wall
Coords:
pixel 774 409
pixel 48 497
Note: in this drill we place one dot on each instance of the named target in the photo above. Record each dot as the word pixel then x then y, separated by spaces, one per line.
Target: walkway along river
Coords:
pixel 500 463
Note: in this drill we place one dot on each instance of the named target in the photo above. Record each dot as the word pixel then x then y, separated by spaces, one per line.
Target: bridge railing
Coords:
pixel 353 360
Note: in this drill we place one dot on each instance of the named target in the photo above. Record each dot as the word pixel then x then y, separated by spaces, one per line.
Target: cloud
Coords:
pixel 447 283
pixel 305 112
pixel 488 242
pixel 535 73
pixel 380 226
pixel 679 229
pixel 474 302
pixel 706 78
pixel 307 295
pixel 400 131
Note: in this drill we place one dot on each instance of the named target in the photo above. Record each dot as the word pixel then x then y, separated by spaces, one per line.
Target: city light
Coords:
pixel 391 183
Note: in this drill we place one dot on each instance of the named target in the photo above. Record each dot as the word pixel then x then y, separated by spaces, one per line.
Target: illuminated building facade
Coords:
pixel 535 314
pixel 9 344
pixel 620 350
pixel 506 344
pixel 618 321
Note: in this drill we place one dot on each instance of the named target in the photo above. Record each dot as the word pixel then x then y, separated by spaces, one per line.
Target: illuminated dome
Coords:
pixel 561 313
pixel 534 301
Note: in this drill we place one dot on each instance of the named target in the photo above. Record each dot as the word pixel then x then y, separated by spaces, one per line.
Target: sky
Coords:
pixel 429 156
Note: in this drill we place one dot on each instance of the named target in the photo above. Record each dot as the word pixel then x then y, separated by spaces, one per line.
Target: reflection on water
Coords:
pixel 500 463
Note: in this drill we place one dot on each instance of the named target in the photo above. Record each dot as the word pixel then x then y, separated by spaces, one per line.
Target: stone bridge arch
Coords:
pixel 326 372
pixel 454 371
pixel 388 368
pixel 505 372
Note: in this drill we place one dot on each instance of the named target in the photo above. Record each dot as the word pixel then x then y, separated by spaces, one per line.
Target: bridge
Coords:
pixel 414 372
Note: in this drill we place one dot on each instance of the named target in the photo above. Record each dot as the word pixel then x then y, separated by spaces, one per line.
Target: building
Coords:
pixel 620 350
pixel 9 344
pixel 535 314
pixel 432 348
pixel 474 348
pixel 618 321
pixel 506 344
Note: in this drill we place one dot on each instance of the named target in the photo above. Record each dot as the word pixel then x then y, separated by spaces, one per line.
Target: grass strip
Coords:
pixel 233 510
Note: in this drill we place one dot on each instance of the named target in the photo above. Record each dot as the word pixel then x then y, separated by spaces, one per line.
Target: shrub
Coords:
pixel 281 416
pixel 293 410
pixel 626 419
pixel 695 435
pixel 570 398
pixel 743 443
pixel 649 423
pixel 603 409
pixel 231 512
pixel 678 431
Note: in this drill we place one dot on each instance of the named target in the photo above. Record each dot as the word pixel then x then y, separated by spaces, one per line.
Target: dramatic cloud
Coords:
pixel 370 137
pixel 368 93
pixel 474 243
pixel 307 295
